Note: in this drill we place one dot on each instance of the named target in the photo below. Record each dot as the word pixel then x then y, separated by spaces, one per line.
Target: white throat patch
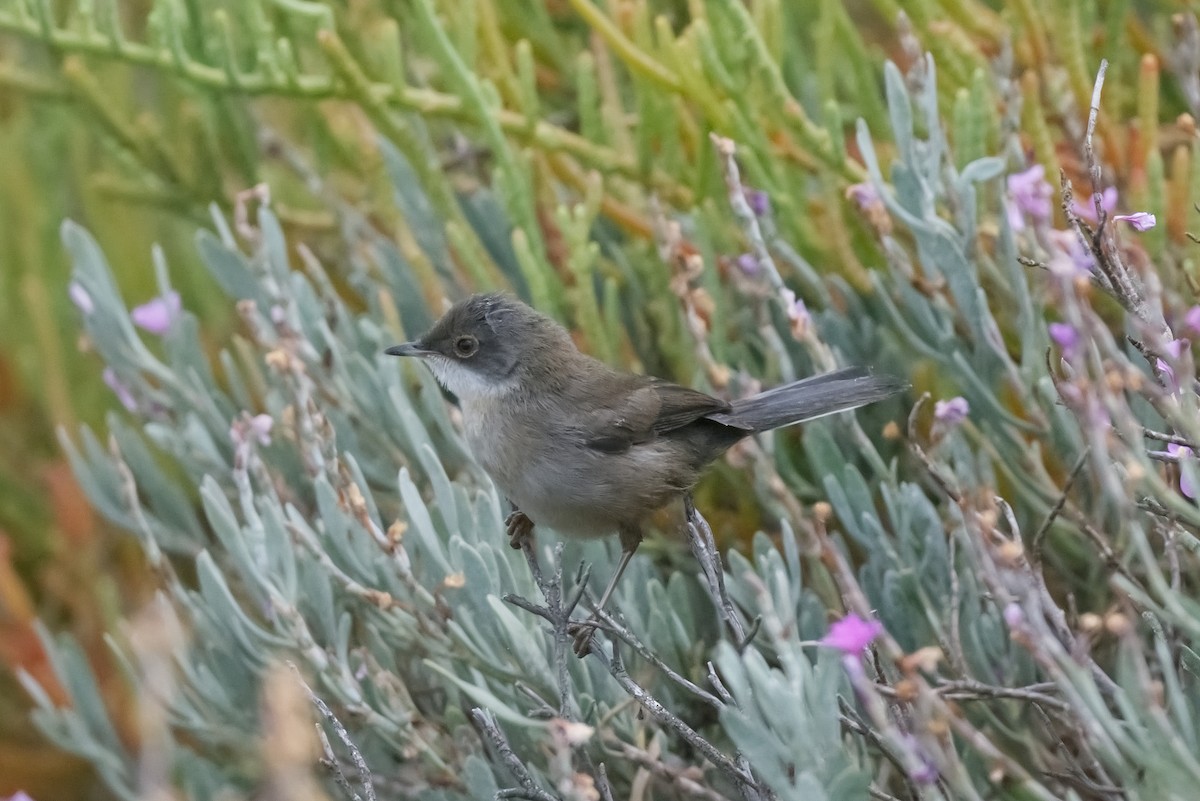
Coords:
pixel 467 384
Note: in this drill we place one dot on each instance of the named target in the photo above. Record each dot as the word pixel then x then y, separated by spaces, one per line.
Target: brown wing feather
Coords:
pixel 643 410
pixel 681 406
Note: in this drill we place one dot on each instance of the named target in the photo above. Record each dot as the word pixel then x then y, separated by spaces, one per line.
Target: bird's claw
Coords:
pixel 581 631
pixel 519 528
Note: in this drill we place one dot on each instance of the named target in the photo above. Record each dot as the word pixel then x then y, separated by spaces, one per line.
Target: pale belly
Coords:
pixel 564 485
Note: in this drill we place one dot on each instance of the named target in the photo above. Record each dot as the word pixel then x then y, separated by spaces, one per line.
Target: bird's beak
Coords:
pixel 408 349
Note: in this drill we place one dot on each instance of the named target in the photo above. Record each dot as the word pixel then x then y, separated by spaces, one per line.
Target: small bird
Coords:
pixel 588 450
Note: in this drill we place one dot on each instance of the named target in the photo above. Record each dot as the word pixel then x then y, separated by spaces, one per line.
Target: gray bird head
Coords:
pixel 488 344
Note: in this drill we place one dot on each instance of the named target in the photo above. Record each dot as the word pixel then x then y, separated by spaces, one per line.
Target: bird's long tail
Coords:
pixel 809 398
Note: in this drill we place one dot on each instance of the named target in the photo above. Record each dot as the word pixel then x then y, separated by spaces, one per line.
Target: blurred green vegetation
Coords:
pixel 138 142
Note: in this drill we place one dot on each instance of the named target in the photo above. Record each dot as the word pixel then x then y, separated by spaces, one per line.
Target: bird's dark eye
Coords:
pixel 465 346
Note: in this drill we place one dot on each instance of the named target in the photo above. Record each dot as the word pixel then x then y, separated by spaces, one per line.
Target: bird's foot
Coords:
pixel 581 632
pixel 519 529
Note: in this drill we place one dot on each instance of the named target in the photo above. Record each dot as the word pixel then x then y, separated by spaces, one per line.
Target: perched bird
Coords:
pixel 588 450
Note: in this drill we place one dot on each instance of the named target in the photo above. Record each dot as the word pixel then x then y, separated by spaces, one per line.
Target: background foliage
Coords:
pixel 316 180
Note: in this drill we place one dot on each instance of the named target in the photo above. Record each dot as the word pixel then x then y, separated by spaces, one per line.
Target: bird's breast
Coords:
pixel 549 472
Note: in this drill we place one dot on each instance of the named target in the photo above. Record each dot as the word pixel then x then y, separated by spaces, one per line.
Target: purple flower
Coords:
pixel 1014 616
pixel 1086 209
pixel 20 795
pixel 1069 257
pixel 157 315
pixel 796 310
pixel 952 411
pixel 1029 194
pixel 747 263
pixel 862 195
pixel 1191 319
pixel 80 297
pixel 1168 374
pixel 1174 349
pixel 1065 336
pixel 123 393
pixel 925 773
pixel 797 313
pixel 1186 486
pixel 1140 220
pixel 921 769
pixel 760 202
pixel 851 635
pixel 260 427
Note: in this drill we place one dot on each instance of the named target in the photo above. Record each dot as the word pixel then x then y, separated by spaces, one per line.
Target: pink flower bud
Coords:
pixel 851 635
pixel 1140 220
pixel 157 315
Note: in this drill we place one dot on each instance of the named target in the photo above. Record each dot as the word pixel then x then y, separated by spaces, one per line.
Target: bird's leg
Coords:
pixel 518 527
pixel 631 538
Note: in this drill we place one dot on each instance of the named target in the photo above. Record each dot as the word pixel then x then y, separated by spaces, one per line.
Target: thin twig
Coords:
pixel 562 619
pixel 746 218
pixel 693 786
pixel 957 657
pixel 330 761
pixel 542 709
pixel 880 795
pixel 1174 439
pixel 514 792
pixel 718 685
pixel 535 567
pixel 943 481
pixel 1151 506
pixel 1090 151
pixel 1081 782
pixel 553 613
pixel 602 785
pixel 581 581
pixel 1098 539
pixel 485 723
pixel 1040 535
pixel 852 721
pixel 360 764
pixel 1161 374
pixel 1171 550
pixel 969 689
pixel 610 625
pixel 704 548
pixel 672 721
pixel 529 606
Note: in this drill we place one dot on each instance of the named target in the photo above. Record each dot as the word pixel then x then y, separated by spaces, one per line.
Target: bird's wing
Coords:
pixel 642 411
pixel 681 406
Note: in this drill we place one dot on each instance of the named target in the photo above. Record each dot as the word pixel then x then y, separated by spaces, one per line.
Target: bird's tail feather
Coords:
pixel 810 398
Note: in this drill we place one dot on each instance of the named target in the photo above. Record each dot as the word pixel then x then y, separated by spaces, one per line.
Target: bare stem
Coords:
pixel 485 723
pixel 360 764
